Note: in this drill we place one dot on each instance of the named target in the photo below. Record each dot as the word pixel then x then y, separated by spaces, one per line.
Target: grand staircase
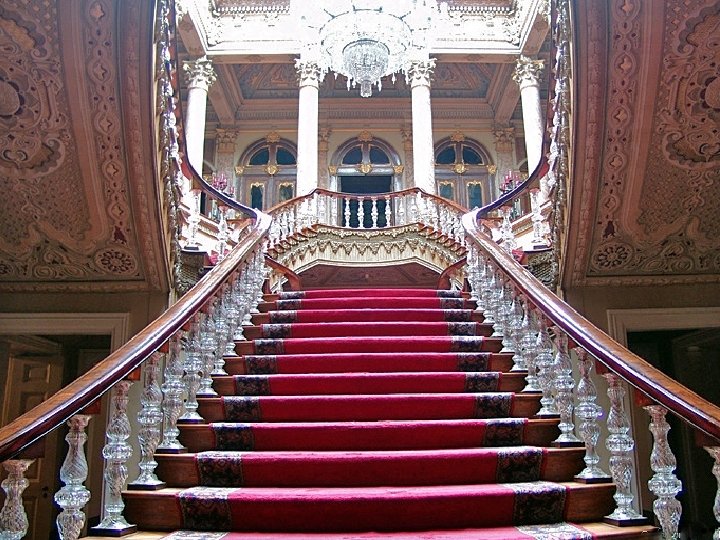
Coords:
pixel 373 413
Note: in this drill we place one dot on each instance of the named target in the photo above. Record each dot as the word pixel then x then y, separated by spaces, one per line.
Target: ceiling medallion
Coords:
pixel 365 40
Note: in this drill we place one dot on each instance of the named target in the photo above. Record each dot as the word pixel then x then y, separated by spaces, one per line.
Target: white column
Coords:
pixel 423 151
pixel 200 75
pixel 527 75
pixel 307 156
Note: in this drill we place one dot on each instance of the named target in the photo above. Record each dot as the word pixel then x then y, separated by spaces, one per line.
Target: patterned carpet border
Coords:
pixel 538 502
pixel 231 436
pixel 242 408
pixel 261 365
pixel 493 405
pixel 504 432
pixel 220 469
pixel 206 509
pixel 474 361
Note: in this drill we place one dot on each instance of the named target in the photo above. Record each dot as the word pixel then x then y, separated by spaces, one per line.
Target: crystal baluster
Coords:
pixel 13 520
pixel 545 365
pixel 565 390
pixel 507 236
pixel 193 375
pixel 333 202
pixel 714 452
pixel 664 484
pixel 173 390
pixel 150 420
pixel 73 496
pixel 529 347
pixel 232 317
pixel 481 271
pixel 515 322
pixel 471 269
pixel 374 213
pixel 620 445
pixel 222 328
pixel 116 452
pixel 503 318
pixel 208 344
pixel 247 296
pixel 238 293
pixel 589 412
pixel 263 273
pixel 489 296
pixel 388 210
pixel 401 213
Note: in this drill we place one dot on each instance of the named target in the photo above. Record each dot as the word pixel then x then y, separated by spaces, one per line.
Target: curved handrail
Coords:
pixel 532 180
pixel 80 393
pixel 659 387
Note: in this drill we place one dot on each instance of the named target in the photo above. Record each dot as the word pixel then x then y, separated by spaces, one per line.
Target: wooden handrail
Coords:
pixel 649 380
pixel 80 393
pixel 292 277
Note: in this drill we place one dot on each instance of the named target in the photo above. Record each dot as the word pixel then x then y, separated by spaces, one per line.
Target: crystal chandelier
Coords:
pixel 365 40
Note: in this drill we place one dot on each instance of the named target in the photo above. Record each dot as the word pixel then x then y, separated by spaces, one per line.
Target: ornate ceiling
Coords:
pixel 646 200
pixel 78 208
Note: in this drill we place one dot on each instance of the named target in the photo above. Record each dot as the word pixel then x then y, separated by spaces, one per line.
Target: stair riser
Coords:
pixel 309 330
pixel 262 469
pixel 280 385
pixel 415 363
pixel 364 408
pixel 268 512
pixel 373 436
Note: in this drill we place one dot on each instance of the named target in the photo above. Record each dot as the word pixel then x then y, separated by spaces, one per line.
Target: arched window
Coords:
pixel 366 165
pixel 267 171
pixel 461 171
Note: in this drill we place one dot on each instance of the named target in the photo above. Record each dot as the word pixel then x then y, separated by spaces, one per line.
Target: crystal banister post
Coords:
pixel 13 520
pixel 664 484
pixel 419 74
pixel 199 75
pixel 620 444
pixel 116 452
pixel 714 452
pixel 73 496
pixel 527 75
pixel 307 155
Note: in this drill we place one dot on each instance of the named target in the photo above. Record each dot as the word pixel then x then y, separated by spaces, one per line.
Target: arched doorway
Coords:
pixel 366 165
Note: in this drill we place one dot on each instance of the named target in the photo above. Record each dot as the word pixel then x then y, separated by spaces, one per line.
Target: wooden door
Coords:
pixel 30 381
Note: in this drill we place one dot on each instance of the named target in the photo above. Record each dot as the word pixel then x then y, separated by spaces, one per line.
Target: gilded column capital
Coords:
pixel 504 139
pixel 420 72
pixel 308 73
pixel 528 71
pixel 225 140
pixel 199 73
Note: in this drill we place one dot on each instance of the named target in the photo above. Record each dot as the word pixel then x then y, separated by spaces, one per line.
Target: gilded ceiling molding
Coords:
pixel 138 159
pixel 593 34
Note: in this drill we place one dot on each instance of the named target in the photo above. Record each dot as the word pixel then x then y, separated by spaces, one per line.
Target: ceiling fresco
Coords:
pixel 650 205
pixel 67 220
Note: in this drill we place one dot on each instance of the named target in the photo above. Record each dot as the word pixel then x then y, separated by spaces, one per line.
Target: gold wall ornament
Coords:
pixel 364 168
pixel 332 169
pixel 398 169
pixel 458 136
pixel 239 169
pixel 365 136
pixel 492 169
pixel 459 168
pixel 272 137
pixel 271 169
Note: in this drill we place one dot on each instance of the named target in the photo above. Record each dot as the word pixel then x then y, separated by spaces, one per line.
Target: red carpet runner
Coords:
pixel 368 414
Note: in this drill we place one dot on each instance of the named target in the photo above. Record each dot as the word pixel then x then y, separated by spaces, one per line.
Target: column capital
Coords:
pixel 528 72
pixel 504 139
pixel 199 73
pixel 324 139
pixel 308 73
pixel 225 140
pixel 420 72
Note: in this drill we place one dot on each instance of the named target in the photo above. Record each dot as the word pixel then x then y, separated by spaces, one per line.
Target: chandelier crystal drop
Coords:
pixel 365 40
